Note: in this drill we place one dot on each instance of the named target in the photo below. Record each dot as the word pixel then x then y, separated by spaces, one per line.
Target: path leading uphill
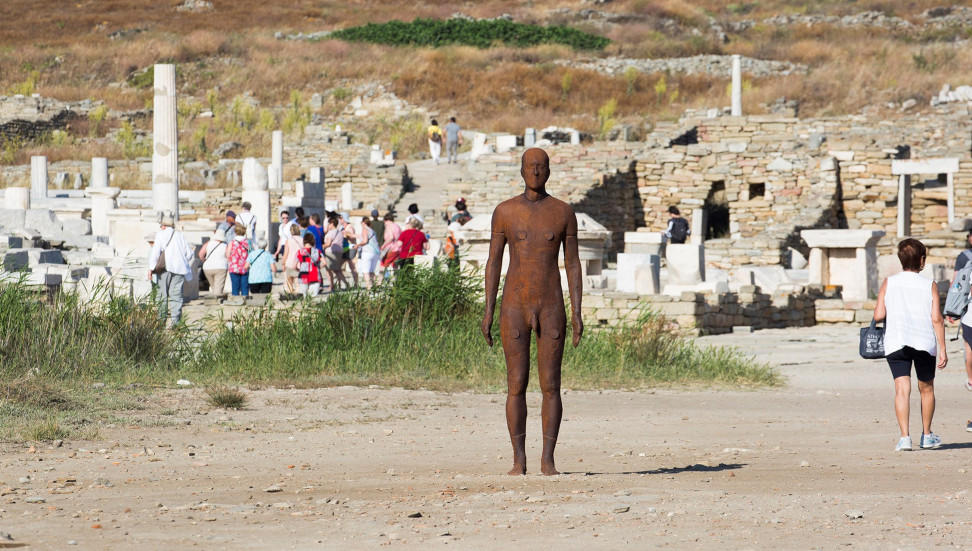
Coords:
pixel 429 192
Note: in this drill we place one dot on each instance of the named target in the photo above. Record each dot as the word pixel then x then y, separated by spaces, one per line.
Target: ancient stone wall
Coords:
pixel 699 314
pixel 598 180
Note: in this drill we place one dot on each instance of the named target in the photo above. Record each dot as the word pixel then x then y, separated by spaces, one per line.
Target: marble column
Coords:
pixel 103 201
pixel 17 198
pixel 38 177
pixel 736 86
pixel 256 191
pixel 99 172
pixel 276 160
pixel 347 197
pixel 530 137
pixel 165 146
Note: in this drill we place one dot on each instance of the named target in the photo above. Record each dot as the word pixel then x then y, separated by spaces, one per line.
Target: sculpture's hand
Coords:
pixel 487 328
pixel 578 324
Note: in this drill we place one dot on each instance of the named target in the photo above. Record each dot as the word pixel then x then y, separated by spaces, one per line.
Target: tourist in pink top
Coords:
pixel 389 251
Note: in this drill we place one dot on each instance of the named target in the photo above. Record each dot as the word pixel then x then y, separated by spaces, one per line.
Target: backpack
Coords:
pixel 680 230
pixel 436 137
pixel 239 251
pixel 450 247
pixel 305 262
pixel 160 263
pixel 957 299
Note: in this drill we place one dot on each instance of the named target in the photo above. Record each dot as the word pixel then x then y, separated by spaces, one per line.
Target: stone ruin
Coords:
pixel 81 230
pixel 757 190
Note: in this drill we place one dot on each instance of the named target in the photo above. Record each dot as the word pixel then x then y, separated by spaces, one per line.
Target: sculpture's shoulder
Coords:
pixel 561 208
pixel 507 205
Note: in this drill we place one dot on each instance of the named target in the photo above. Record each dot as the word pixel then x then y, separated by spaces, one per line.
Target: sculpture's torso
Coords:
pixel 534 232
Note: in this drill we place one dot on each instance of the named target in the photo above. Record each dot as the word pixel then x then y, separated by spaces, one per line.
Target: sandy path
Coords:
pixel 680 469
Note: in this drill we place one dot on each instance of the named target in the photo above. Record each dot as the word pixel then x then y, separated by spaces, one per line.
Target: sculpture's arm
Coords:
pixel 494 265
pixel 575 280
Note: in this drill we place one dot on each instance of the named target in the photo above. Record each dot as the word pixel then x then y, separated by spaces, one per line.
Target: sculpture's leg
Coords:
pixel 550 352
pixel 516 348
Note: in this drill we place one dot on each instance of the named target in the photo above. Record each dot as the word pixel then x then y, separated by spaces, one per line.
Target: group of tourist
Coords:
pixel 909 305
pixel 310 255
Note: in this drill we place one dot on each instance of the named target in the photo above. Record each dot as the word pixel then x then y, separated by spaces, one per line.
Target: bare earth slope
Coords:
pixel 350 468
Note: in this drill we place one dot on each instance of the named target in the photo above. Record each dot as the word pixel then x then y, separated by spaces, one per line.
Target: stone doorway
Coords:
pixel 717 209
pixel 937 190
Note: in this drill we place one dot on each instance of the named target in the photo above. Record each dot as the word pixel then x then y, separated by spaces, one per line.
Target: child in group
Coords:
pixel 308 261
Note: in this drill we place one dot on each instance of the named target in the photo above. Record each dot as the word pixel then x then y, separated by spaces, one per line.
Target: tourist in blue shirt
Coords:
pixel 318 232
pixel 259 261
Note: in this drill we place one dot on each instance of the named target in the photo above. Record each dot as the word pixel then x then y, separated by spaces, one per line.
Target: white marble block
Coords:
pixel 647 278
pixel 347 197
pixel 845 257
pixel 530 137
pixel 17 198
pixel 686 263
pixel 256 184
pixel 627 266
pixel 38 177
pixel 99 172
pixel 505 143
pixel 103 201
pixel 165 138
pixel 645 242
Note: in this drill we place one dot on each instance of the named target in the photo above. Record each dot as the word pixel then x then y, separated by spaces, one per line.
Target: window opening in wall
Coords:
pixel 717 207
pixel 757 191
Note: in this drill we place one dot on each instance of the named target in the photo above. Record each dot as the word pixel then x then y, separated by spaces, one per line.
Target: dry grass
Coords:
pixel 232 51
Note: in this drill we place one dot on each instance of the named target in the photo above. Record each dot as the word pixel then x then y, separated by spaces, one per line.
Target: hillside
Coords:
pixel 257 65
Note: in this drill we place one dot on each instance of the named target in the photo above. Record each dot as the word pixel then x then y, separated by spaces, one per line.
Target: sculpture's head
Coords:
pixel 535 168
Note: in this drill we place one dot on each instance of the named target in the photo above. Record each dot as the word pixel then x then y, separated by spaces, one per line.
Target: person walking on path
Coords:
pixel 413 214
pixel 453 140
pixel 283 232
pixel 435 141
pixel 236 255
pixel 963 260
pixel 317 230
pixel 249 221
pixel 308 264
pixel 367 244
pixel 259 272
pixel 914 334
pixel 678 228
pixel 213 256
pixel 291 248
pixel 413 242
pixel 170 248
pixel 333 251
pixel 462 213
pixel 389 250
pixel 378 226
pixel 226 226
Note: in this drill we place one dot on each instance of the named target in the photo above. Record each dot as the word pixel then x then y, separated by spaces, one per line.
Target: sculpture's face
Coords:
pixel 535 169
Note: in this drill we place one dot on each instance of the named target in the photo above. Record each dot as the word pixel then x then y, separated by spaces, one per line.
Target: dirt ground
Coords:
pixel 807 466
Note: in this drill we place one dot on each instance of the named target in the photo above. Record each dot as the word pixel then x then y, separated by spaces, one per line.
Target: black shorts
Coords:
pixel 900 362
pixel 967 334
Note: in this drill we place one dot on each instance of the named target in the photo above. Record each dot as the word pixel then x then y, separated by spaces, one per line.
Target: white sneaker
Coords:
pixel 904 445
pixel 930 441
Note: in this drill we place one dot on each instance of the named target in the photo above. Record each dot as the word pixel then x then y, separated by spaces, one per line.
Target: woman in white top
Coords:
pixel 367 243
pixel 213 256
pixel 914 334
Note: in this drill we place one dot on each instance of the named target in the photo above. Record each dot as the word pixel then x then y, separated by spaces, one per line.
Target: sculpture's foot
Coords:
pixel 518 469
pixel 547 468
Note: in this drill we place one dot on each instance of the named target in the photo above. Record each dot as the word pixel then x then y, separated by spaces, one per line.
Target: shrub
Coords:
pixel 482 34
pixel 226 397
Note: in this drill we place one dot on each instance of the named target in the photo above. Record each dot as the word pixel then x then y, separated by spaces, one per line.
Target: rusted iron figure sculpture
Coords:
pixel 535 225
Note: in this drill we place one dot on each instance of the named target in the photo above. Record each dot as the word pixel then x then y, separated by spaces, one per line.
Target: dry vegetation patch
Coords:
pixel 91 50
